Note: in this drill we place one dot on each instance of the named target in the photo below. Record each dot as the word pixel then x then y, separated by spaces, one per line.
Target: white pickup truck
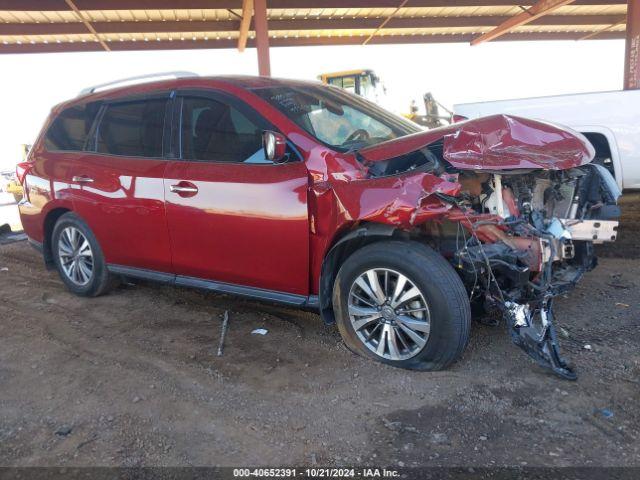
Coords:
pixel 610 120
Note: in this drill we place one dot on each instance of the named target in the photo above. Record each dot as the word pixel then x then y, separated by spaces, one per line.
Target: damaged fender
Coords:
pixel 404 201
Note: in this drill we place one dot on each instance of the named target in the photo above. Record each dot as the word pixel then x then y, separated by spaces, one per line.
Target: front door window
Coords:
pixel 216 131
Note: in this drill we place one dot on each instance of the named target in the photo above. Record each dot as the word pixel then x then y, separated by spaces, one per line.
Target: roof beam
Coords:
pixel 284 42
pixel 385 21
pixel 58 5
pixel 605 29
pixel 245 23
pixel 87 24
pixel 541 8
pixel 605 21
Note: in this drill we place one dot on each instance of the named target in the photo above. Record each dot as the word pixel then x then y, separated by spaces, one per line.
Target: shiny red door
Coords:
pixel 244 224
pixel 118 186
pixel 122 200
pixel 234 217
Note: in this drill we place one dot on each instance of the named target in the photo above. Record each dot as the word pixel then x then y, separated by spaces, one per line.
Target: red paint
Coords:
pixel 270 226
pixel 47 188
pixel 497 142
pixel 505 142
pixel 124 206
pixel 21 171
pixel 247 225
pixel 405 200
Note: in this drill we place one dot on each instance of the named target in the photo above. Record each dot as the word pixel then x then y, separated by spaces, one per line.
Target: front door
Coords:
pixel 118 183
pixel 233 216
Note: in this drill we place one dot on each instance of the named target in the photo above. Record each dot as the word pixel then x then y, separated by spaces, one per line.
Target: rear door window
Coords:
pixel 70 129
pixel 132 129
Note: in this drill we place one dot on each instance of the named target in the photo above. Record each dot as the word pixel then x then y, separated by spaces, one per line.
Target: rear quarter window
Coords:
pixel 71 127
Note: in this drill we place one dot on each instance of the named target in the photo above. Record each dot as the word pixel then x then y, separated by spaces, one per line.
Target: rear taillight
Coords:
pixel 22 169
pixel 459 118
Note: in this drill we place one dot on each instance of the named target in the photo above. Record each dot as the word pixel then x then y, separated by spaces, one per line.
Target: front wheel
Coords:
pixel 401 303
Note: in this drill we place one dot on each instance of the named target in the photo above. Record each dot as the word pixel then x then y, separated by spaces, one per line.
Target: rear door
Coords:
pixel 118 182
pixel 233 216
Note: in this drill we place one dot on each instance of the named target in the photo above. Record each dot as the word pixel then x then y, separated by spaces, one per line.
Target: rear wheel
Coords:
pixel 78 257
pixel 401 303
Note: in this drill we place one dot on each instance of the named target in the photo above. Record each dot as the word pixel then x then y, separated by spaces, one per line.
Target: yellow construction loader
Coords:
pixel 367 84
pixel 361 82
pixel 14 188
pixel 8 180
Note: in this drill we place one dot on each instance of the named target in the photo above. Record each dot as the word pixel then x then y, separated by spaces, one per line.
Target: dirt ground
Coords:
pixel 132 378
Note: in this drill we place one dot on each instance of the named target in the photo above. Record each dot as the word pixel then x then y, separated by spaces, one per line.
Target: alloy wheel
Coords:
pixel 389 314
pixel 76 256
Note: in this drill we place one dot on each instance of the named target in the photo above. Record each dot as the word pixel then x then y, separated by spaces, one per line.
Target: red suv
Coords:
pixel 300 193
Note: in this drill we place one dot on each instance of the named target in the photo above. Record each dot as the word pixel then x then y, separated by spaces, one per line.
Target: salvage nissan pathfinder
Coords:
pixel 304 194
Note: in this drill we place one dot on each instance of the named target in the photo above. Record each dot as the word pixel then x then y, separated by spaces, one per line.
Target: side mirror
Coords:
pixel 275 146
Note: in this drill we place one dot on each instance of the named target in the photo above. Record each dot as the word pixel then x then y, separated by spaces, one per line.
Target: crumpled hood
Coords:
pixel 497 142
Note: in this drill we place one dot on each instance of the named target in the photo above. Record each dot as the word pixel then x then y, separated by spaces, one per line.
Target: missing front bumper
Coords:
pixel 532 329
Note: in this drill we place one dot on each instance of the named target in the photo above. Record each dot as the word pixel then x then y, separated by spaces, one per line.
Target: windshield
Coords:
pixel 336 118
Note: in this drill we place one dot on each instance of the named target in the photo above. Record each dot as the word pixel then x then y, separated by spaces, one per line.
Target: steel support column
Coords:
pixel 632 48
pixel 245 23
pixel 262 37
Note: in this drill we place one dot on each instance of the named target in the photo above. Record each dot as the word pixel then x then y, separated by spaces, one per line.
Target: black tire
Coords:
pixel 440 286
pixel 100 280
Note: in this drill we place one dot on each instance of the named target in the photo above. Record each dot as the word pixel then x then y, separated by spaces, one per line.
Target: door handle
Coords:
pixel 82 179
pixel 183 189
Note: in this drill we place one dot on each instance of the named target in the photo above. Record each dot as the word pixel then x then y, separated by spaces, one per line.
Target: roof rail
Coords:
pixel 177 74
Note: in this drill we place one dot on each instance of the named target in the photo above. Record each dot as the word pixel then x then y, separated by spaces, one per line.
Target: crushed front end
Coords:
pixel 529 237
pixel 525 208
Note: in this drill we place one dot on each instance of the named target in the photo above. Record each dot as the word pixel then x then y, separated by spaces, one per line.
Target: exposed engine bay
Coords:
pixel 524 213
pixel 537 246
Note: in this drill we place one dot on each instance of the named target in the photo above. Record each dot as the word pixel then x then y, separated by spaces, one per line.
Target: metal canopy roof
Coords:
pixel 30 26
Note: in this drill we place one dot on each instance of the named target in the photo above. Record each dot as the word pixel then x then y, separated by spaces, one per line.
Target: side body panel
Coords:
pixel 48 186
